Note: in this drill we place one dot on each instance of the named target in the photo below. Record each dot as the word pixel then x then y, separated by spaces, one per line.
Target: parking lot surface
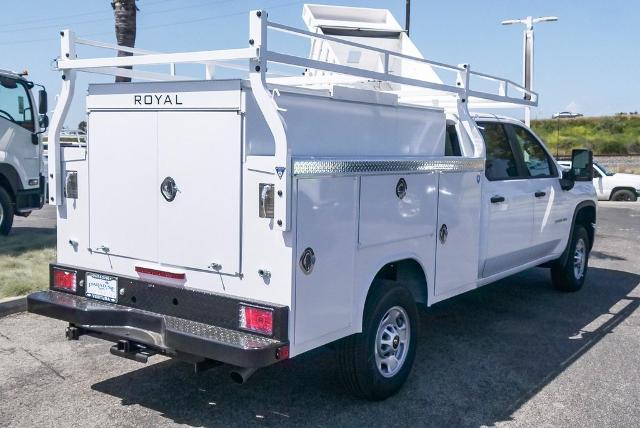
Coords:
pixel 515 353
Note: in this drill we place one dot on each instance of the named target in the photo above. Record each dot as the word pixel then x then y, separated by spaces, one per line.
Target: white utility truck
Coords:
pixel 246 221
pixel 22 185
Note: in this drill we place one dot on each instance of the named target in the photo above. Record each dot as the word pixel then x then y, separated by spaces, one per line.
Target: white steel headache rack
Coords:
pixel 410 89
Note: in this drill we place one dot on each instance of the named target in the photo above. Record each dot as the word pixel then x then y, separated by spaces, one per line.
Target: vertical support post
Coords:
pixel 209 71
pixel 172 69
pixel 386 63
pixel 67 50
pixel 502 90
pixel 527 65
pixel 463 113
pixel 282 155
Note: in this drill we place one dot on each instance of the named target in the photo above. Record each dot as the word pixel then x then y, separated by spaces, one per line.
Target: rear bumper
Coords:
pixel 202 326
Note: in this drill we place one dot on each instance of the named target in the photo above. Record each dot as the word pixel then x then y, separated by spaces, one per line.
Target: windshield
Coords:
pixel 15 104
pixel 603 169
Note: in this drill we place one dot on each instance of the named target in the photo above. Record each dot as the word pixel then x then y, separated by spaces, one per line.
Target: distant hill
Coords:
pixel 609 135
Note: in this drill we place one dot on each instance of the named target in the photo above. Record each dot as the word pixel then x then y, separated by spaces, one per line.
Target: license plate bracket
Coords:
pixel 101 287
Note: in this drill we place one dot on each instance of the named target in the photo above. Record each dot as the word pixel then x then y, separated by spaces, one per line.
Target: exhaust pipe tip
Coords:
pixel 241 375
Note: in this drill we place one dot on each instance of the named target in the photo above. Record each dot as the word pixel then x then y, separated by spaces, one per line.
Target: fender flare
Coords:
pixel 581 205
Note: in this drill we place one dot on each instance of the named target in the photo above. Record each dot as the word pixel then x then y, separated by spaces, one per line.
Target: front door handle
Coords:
pixel 540 194
pixel 496 199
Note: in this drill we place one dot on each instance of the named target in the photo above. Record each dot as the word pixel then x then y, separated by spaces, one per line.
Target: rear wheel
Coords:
pixel 6 212
pixel 570 275
pixel 624 195
pixel 375 364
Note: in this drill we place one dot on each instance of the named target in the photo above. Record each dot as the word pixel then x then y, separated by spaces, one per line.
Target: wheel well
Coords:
pixel 615 189
pixel 6 185
pixel 586 217
pixel 407 272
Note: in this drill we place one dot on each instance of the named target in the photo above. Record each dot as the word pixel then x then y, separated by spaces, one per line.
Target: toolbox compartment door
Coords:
pixel 201 152
pixel 123 195
pixel 131 154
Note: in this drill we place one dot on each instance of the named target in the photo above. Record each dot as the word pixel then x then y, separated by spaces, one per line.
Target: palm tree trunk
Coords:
pixel 125 16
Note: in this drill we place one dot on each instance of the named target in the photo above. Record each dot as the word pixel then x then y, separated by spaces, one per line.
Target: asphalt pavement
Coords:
pixel 513 353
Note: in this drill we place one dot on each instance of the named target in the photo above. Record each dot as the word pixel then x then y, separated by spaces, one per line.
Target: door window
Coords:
pixel 501 163
pixel 537 162
pixel 451 144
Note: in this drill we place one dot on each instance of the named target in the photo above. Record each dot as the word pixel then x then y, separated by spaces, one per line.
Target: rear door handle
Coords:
pixel 540 194
pixel 497 199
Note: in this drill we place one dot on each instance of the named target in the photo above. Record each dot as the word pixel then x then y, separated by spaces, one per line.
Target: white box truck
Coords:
pixel 22 122
pixel 247 221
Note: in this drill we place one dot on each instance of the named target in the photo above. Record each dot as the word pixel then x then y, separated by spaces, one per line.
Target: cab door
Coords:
pixel 17 125
pixel 507 202
pixel 550 203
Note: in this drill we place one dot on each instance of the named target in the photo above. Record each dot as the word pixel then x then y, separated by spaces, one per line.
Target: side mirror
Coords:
pixel 582 165
pixel 43 105
pixel 44 121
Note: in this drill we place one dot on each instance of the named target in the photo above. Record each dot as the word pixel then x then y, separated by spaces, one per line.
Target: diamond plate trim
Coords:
pixel 334 167
pixel 219 334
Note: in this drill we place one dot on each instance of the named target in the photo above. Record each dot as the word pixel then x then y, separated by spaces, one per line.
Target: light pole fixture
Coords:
pixel 527 54
pixel 407 15
pixel 562 115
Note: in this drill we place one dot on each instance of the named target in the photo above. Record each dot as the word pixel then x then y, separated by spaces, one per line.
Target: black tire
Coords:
pixel 624 195
pixel 357 354
pixel 6 212
pixel 568 276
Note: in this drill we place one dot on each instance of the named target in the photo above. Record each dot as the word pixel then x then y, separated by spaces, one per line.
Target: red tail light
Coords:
pixel 160 273
pixel 64 279
pixel 256 319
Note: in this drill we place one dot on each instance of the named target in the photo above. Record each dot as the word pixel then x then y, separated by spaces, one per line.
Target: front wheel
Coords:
pixel 375 364
pixel 6 212
pixel 570 275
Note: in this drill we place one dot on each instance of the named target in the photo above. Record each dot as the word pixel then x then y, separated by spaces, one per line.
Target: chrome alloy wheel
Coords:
pixel 392 341
pixel 579 259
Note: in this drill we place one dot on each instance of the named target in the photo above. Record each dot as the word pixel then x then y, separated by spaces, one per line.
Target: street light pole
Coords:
pixel 527 54
pixel 407 16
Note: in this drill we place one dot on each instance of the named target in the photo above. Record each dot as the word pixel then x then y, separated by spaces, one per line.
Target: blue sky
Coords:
pixel 587 62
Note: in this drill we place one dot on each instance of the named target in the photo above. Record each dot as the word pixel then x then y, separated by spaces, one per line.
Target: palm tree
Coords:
pixel 125 12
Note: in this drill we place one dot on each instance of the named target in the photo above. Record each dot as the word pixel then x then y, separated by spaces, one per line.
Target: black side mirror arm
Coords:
pixel 567 181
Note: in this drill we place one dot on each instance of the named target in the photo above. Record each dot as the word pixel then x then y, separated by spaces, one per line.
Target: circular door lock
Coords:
pixel 444 232
pixel 401 188
pixel 307 261
pixel 169 189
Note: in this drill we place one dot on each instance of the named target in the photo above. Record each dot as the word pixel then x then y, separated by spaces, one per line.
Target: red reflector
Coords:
pixel 282 353
pixel 160 273
pixel 256 319
pixel 64 279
